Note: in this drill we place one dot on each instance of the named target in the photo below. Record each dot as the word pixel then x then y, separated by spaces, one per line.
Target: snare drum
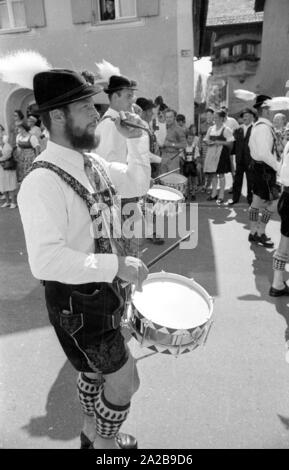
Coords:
pixel 172 315
pixel 176 181
pixel 165 200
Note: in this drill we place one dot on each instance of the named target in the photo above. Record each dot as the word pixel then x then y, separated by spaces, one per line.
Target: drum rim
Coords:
pixel 188 281
pixel 165 188
pixel 173 175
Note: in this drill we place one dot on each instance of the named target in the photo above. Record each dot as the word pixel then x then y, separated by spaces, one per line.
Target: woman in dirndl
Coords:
pixel 28 148
pixel 8 180
pixel 219 139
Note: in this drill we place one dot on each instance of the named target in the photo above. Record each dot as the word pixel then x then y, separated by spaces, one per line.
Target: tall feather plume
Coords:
pixel 20 67
pixel 105 70
pixel 278 103
pixel 244 95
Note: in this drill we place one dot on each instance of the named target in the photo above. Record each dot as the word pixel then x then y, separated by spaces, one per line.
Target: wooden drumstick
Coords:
pixel 168 250
pixel 174 156
pixel 165 174
pixel 163 254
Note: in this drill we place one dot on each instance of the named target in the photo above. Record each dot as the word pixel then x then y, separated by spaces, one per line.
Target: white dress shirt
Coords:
pixel 146 145
pixel 245 128
pixel 113 145
pixel 56 221
pixel 284 172
pixel 161 133
pixel 261 143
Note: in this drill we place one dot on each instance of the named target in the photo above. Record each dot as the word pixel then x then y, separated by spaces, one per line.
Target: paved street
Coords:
pixel 232 393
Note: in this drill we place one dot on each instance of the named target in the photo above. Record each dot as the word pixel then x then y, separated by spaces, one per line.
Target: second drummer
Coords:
pixel 266 164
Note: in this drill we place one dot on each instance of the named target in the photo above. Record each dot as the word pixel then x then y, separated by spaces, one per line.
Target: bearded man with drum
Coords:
pixel 66 204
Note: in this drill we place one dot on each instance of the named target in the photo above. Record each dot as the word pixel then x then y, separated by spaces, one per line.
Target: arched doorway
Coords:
pixel 19 98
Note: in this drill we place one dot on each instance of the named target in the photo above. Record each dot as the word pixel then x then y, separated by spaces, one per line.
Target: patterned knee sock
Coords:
pixel 87 390
pixel 266 216
pixel 253 214
pixel 109 417
pixel 279 261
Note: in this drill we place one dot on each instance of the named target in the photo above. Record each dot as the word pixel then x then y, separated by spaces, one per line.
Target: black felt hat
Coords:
pixel 260 99
pixel 248 110
pixel 145 104
pixel 119 82
pixel 57 87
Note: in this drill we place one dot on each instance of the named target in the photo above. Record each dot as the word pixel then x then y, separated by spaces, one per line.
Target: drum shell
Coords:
pixel 168 340
pixel 164 206
pixel 175 181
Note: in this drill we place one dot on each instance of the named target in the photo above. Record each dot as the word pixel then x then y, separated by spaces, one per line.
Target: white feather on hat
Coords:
pixel 245 95
pixel 278 103
pixel 20 67
pixel 106 70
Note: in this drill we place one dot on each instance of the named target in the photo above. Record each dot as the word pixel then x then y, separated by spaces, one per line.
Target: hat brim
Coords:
pixel 248 112
pixel 86 93
pixel 108 90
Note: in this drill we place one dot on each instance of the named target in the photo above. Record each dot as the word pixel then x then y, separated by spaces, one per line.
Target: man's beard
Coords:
pixel 80 139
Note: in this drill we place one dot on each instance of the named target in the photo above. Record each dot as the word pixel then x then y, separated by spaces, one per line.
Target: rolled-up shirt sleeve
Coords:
pixel 45 221
pixel 132 179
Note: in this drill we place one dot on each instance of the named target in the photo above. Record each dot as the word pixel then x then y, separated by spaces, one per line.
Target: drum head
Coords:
pixel 173 301
pixel 164 193
pixel 174 178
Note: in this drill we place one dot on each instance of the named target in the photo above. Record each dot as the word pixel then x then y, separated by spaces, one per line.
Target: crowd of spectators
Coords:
pixel 204 154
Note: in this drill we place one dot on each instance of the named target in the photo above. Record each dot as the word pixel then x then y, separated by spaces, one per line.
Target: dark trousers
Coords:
pixel 242 168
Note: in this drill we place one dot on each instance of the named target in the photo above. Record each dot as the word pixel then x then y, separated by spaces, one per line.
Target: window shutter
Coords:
pixel 148 7
pixel 35 13
pixel 81 11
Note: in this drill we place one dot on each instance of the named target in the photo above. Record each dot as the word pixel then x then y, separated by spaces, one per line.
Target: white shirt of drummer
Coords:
pixel 113 145
pixel 56 221
pixel 261 143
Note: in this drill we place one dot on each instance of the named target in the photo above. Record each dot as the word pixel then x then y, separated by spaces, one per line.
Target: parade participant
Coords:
pixel 190 158
pixel 8 180
pixel 28 147
pixel 243 156
pixel 265 165
pixel 150 141
pixel 34 125
pixel 159 124
pixel 181 120
pixel 147 107
pixel 18 117
pixel 219 139
pixel 281 255
pixel 279 121
pixel 209 122
pixel 121 95
pixel 175 141
pixel 65 194
pixel 233 124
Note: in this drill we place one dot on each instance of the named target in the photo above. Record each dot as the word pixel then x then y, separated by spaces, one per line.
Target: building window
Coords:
pixel 251 49
pixel 224 52
pixel 111 10
pixel 12 14
pixel 237 50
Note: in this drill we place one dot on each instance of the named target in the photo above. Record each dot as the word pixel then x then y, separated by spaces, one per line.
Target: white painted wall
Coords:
pixel 185 52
